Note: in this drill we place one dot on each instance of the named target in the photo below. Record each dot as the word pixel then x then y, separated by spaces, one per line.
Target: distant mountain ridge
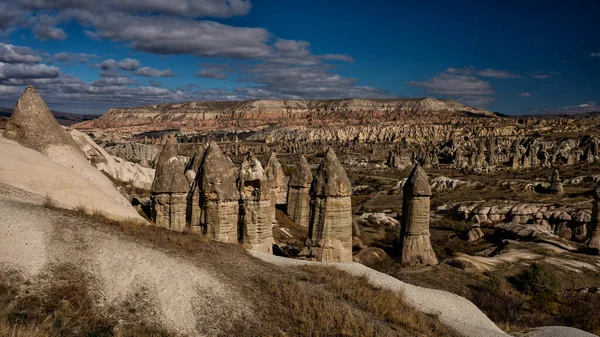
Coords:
pixel 200 115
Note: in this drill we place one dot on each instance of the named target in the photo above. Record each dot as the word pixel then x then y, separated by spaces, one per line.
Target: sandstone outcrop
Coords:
pixel 33 126
pixel 169 191
pixel 276 177
pixel 210 114
pixel 298 197
pixel 135 152
pixel 414 234
pixel 330 229
pixel 118 169
pixel 256 206
pixel 556 186
pixel 192 211
pixel 594 239
pixel 219 197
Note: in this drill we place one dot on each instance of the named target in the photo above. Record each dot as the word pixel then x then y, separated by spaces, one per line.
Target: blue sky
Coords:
pixel 514 57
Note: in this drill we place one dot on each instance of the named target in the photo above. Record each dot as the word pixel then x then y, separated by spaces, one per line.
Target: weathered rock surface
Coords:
pixel 256 206
pixel 219 197
pixel 118 169
pixel 414 233
pixel 298 198
pixel 193 198
pixel 594 240
pixel 330 228
pixel 277 181
pixel 556 186
pixel 33 126
pixel 169 191
pixel 135 152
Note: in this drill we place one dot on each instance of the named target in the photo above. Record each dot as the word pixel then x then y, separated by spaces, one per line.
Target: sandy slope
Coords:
pixel 71 182
pixel 185 298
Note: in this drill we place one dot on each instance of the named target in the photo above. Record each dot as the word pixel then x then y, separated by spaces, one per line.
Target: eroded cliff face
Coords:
pixel 204 115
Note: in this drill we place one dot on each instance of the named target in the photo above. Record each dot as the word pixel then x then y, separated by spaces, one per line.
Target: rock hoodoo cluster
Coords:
pixel 330 227
pixel 414 233
pixel 169 191
pixel 209 195
pixel 298 198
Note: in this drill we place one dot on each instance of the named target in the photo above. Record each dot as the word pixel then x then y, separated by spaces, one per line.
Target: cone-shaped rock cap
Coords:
pixel 555 177
pixel 33 125
pixel 417 184
pixel 216 177
pixel 301 174
pixel 195 161
pixel 273 168
pixel 251 169
pixel 169 176
pixel 331 179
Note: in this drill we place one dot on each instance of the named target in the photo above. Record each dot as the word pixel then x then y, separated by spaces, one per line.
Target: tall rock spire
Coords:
pixel 414 234
pixel 298 197
pixel 330 229
pixel 594 239
pixel 276 177
pixel 256 207
pixel 556 187
pixel 169 190
pixel 219 196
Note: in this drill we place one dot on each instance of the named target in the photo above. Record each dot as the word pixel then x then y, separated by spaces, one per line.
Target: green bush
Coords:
pixel 540 283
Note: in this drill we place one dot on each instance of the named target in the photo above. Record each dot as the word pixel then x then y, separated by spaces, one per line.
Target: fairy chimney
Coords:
pixel 218 196
pixel 256 207
pixel 192 211
pixel 330 227
pixel 414 234
pixel 556 186
pixel 169 190
pixel 298 197
pixel 594 230
pixel 276 178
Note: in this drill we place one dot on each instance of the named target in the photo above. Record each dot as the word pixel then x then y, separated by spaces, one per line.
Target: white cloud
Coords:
pixel 492 73
pixel 27 71
pixel 338 57
pixel 129 64
pixel 15 54
pixel 466 88
pixel 151 72
pixel 543 74
pixel 595 54
pixel 590 106
pixel 524 94
pixel 214 71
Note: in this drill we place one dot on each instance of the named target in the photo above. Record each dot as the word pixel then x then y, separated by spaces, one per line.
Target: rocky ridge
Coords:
pixel 207 115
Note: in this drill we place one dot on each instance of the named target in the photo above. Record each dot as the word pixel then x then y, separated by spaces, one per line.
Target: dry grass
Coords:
pixel 49 202
pixel 323 301
pixel 61 301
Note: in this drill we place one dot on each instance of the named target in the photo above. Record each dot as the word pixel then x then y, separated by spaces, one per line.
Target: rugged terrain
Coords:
pixel 513 205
